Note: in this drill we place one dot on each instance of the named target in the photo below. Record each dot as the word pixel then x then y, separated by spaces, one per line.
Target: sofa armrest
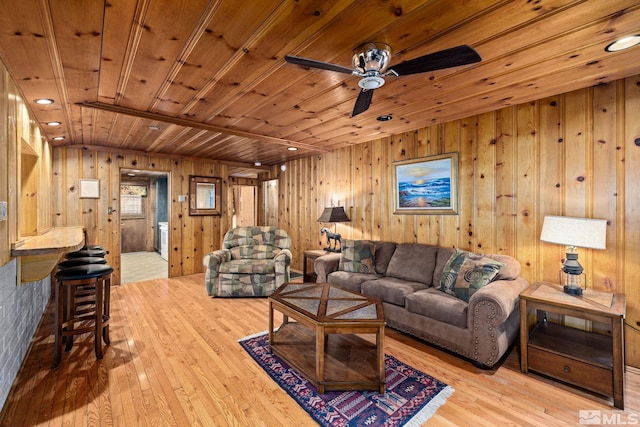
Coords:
pixel 325 264
pixel 504 295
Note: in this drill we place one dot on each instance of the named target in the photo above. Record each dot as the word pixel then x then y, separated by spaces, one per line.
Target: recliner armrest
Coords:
pixel 326 264
pixel 215 258
pixel 504 295
pixel 284 255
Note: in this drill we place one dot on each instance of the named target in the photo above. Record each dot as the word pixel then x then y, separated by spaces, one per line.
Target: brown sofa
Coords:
pixel 407 278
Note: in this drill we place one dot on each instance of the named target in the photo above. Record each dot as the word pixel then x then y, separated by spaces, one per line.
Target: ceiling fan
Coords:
pixel 371 62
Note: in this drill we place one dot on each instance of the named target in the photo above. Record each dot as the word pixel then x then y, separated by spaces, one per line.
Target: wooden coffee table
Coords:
pixel 324 343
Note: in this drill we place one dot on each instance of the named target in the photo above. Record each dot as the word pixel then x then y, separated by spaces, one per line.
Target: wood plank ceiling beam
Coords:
pixel 199 125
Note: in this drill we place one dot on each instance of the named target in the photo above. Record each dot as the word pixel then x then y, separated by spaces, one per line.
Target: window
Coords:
pixel 131 200
pixel 131 205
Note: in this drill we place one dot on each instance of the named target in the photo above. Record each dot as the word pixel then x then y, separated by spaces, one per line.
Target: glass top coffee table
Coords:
pixel 325 342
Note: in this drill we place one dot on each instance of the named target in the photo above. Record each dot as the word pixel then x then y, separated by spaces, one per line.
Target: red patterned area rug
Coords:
pixel 411 397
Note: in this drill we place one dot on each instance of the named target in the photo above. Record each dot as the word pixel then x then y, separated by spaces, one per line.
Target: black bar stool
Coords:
pixel 83 299
pixel 74 262
pixel 86 253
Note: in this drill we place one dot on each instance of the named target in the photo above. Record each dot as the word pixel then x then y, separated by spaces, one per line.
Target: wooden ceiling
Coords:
pixel 207 78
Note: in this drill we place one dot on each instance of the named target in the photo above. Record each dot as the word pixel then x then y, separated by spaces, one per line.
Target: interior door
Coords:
pixel 270 202
pixel 133 234
pixel 244 205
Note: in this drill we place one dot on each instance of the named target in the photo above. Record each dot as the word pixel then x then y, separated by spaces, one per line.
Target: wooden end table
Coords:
pixel 310 255
pixel 593 361
pixel 324 342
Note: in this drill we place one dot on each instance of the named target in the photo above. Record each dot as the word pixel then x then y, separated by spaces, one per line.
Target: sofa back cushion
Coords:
pixel 414 262
pixel 441 260
pixel 357 256
pixel 384 252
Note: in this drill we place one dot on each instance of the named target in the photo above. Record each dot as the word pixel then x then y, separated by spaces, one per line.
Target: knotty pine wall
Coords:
pixel 20 136
pixel 576 154
pixel 190 237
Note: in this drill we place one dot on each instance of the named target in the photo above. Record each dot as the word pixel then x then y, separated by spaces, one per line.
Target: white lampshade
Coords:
pixel 578 232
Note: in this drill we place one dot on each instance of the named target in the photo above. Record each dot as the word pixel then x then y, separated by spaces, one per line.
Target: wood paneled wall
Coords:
pixel 190 237
pixel 576 154
pixel 20 136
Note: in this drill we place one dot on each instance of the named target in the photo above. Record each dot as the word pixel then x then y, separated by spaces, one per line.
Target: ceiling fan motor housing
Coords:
pixel 371 60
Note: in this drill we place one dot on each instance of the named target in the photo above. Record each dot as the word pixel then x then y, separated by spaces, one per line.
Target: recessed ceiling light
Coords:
pixel 131 174
pixel 58 138
pixel 292 148
pixel 384 118
pixel 43 101
pixel 623 43
pixel 257 164
pixel 54 123
pixel 152 127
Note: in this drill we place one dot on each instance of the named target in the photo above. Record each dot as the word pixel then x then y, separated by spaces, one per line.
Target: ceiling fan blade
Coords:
pixel 363 102
pixel 317 64
pixel 453 57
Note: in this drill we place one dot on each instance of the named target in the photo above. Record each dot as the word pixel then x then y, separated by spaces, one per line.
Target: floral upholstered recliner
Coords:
pixel 254 262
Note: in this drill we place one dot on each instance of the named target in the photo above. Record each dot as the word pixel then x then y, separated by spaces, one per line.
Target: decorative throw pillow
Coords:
pixel 466 272
pixel 357 256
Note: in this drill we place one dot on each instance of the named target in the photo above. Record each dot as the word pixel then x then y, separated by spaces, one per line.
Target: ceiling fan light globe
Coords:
pixel 371 82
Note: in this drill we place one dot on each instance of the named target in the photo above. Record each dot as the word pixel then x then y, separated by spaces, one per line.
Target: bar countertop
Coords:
pixel 54 241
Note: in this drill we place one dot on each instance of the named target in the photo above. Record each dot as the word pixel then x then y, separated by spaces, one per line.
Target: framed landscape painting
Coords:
pixel 428 185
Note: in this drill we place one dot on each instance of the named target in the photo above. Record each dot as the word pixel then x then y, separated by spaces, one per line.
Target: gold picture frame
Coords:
pixel 427 185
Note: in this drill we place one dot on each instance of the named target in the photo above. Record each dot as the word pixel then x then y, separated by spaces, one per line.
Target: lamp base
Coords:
pixel 571 290
pixel 330 249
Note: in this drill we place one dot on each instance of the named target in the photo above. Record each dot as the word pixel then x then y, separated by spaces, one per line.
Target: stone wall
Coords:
pixel 21 309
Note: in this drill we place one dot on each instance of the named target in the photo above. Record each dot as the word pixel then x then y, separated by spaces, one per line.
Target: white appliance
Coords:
pixel 164 240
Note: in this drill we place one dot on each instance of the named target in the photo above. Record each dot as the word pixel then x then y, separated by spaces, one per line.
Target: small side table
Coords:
pixel 590 360
pixel 310 255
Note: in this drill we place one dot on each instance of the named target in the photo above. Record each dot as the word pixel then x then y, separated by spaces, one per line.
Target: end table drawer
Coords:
pixel 579 373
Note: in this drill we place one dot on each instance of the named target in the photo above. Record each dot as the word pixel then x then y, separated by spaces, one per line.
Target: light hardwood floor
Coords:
pixel 174 360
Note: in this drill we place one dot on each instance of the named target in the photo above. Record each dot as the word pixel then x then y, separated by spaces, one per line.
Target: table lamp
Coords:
pixel 574 233
pixel 333 214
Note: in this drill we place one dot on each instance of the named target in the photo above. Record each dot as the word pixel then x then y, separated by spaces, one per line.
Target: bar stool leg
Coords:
pixel 107 308
pixel 99 307
pixel 69 313
pixel 57 346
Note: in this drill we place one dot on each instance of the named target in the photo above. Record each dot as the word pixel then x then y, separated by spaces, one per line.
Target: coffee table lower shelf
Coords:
pixel 350 360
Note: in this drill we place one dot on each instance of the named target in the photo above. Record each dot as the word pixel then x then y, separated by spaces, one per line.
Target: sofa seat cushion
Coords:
pixel 391 289
pixel 245 266
pixel 413 262
pixel 439 306
pixel 349 281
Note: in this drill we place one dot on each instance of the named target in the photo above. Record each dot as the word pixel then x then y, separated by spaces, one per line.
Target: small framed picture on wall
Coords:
pixel 89 188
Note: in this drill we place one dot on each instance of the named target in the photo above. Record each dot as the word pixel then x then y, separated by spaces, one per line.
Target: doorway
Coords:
pixel 244 205
pixel 144 224
pixel 270 202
